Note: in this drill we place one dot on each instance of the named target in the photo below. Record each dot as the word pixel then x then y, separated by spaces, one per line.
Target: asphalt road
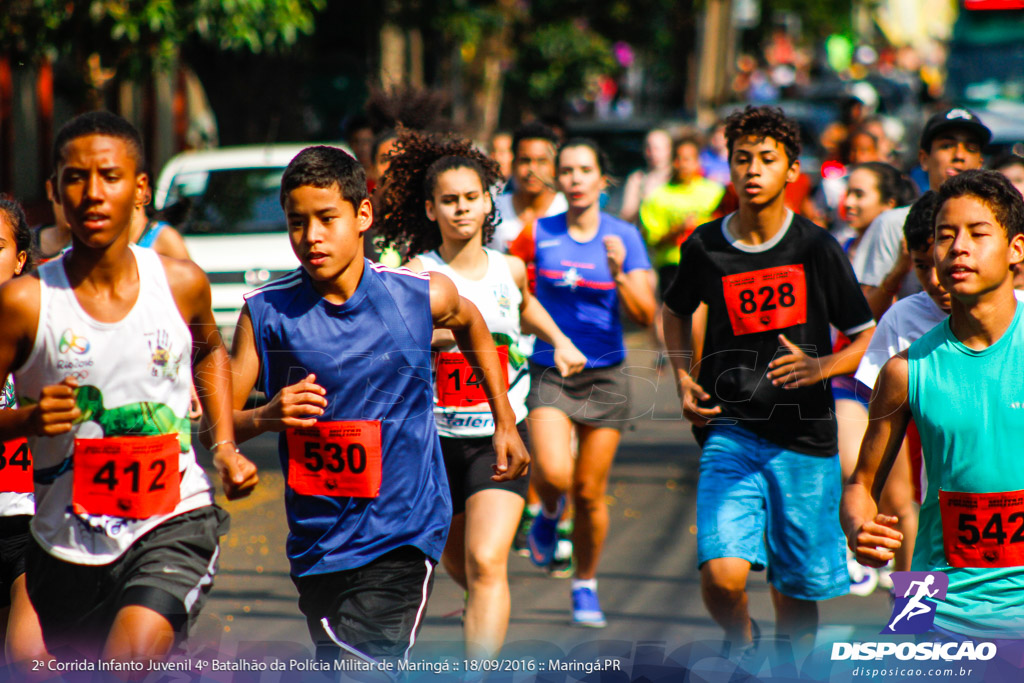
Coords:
pixel 649 584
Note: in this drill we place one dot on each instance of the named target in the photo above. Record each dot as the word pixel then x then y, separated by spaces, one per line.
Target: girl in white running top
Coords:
pixel 19 624
pixel 437 204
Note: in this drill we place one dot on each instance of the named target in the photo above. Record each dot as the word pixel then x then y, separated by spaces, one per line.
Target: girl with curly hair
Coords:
pixel 436 203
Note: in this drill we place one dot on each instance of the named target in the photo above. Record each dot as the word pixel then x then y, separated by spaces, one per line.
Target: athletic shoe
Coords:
pixel 544 536
pixel 586 609
pixel 520 542
pixel 863 580
pixel 562 566
pixel 885 576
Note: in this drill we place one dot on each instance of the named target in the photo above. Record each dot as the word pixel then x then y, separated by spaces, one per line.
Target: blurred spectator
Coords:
pixel 643 181
pixel 675 209
pixel 1011 166
pixel 535 196
pixel 501 151
pixel 851 112
pixel 359 137
pixel 714 158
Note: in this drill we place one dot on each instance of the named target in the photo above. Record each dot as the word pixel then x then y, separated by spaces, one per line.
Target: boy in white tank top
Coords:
pixel 125 537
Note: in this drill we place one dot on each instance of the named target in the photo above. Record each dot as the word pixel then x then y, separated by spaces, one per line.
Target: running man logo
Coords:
pixel 69 341
pixel 914 612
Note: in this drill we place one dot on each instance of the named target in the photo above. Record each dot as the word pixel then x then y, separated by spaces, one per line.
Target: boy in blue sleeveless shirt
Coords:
pixel 342 348
pixel 961 384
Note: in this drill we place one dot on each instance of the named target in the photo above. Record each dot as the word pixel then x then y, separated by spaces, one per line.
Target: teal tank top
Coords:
pixel 969 408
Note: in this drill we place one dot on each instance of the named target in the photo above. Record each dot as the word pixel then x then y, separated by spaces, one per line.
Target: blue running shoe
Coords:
pixel 544 536
pixel 586 610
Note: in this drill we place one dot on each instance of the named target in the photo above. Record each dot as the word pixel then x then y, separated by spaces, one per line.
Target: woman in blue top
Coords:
pixel 589 264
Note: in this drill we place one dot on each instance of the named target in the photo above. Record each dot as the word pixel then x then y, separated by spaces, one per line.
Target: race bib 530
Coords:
pixel 335 459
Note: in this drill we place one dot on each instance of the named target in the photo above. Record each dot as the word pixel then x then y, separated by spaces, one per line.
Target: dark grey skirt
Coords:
pixel 596 397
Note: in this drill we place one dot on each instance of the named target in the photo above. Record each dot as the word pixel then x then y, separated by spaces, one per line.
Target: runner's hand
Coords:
pixel 616 252
pixel 874 542
pixel 513 460
pixel 57 410
pixel 569 360
pixel 237 473
pixel 795 369
pixel 690 394
pixel 297 405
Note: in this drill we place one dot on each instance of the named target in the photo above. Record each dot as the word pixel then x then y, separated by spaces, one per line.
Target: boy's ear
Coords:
pixel 364 215
pixel 1017 250
pixel 793 172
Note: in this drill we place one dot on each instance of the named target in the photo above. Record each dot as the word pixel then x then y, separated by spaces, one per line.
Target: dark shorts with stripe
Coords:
pixel 596 397
pixel 169 570
pixel 372 612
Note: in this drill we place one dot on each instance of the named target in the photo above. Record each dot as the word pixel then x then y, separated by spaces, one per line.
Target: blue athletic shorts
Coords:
pixel 774 508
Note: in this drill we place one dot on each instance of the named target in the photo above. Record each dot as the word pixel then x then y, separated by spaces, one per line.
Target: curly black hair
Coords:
pixel 14 215
pixel 761 123
pixel 417 161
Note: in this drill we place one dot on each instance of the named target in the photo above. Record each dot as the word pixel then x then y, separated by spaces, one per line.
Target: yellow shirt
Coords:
pixel 673 206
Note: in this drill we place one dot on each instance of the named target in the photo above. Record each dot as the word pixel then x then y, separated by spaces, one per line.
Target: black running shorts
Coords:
pixel 14 539
pixel 169 570
pixel 467 463
pixel 372 612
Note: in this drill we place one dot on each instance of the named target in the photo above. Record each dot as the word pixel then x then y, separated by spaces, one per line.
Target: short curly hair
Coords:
pixel 992 189
pixel 761 123
pixel 417 161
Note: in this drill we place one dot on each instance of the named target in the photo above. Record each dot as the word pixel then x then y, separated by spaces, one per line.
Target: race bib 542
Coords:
pixel 983 529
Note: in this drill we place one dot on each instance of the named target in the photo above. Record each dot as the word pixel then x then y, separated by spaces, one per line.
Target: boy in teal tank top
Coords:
pixel 961 384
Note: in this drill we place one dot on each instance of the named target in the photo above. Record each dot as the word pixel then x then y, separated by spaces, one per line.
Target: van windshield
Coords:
pixel 225 202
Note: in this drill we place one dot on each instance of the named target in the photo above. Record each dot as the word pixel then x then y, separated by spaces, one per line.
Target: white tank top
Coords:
pixel 12 504
pixel 498 299
pixel 136 371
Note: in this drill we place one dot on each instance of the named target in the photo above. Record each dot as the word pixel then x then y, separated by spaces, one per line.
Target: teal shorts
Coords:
pixel 774 508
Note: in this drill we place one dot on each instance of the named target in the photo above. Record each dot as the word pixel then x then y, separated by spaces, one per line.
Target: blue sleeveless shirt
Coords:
pixel 367 375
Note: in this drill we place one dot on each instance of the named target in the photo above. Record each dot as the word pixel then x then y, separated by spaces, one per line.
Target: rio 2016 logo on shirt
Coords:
pixel 69 341
pixel 914 607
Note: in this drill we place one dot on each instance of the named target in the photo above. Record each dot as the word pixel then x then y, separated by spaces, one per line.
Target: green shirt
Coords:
pixel 969 409
pixel 674 205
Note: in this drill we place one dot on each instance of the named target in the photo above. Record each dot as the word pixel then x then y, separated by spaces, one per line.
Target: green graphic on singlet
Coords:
pixel 145 418
pixel 515 358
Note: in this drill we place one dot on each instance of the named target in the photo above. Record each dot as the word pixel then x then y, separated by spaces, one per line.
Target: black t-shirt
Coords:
pixel 795 284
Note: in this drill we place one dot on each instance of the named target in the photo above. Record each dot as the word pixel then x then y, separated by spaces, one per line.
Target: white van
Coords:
pixel 231 218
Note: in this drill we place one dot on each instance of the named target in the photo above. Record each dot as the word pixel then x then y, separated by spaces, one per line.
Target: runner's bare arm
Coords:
pixel 170 243
pixel 55 411
pixel 535 319
pixel 211 373
pixel 678 345
pixel 297 405
pixel 872 536
pixel 441 338
pixel 451 311
pixel 635 289
pixel 797 369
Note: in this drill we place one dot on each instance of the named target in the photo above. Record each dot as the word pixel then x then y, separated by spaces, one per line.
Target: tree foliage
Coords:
pixel 143 33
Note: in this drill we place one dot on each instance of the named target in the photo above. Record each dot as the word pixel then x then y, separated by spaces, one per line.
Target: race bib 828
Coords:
pixel 768 299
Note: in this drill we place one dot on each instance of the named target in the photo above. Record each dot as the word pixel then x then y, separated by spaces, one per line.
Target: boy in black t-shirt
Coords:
pixel 769 475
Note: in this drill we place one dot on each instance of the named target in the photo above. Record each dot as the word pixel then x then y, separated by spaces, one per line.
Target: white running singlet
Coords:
pixel 497 298
pixel 134 378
